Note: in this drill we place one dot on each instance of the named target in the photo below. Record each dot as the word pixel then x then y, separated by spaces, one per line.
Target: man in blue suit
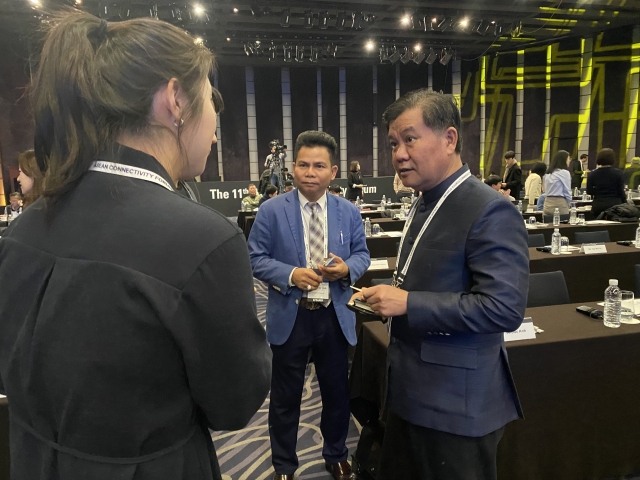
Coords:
pixel 461 282
pixel 291 238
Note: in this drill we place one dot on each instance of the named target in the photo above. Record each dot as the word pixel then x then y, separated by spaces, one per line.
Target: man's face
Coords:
pixel 15 202
pixel 422 158
pixel 334 193
pixel 496 187
pixel 510 161
pixel 274 194
pixel 313 172
pixel 288 188
pixel 252 190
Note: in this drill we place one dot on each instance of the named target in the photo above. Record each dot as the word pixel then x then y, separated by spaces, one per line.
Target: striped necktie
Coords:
pixel 316 236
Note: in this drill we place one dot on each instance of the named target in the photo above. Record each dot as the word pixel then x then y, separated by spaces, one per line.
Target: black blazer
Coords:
pixel 575 169
pixel 354 178
pixel 129 328
pixel 514 181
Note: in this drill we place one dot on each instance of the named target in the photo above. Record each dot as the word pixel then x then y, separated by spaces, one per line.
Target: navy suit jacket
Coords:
pixel 276 246
pixel 467 285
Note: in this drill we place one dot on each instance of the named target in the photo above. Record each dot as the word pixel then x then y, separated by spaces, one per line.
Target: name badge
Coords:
pixel 525 331
pixel 320 294
pixel 593 248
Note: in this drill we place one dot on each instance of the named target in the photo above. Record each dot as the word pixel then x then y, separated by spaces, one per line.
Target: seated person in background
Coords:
pixel 270 192
pixel 286 175
pixel 265 179
pixel 631 174
pixel 252 201
pixel 400 189
pixel 495 183
pixel 335 190
pixel 540 204
pixel 288 186
pixel 15 204
pixel 533 185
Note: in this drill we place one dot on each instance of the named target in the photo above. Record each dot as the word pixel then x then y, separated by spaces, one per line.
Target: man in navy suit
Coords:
pixel 460 284
pixel 291 238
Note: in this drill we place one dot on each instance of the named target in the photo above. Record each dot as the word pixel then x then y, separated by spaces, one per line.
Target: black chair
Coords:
pixel 547 288
pixel 637 270
pixel 380 281
pixel 549 218
pixel 536 240
pixel 600 236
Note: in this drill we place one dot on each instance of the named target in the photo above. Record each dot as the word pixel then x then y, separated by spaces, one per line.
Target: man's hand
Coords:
pixel 506 192
pixel 337 270
pixel 385 300
pixel 303 278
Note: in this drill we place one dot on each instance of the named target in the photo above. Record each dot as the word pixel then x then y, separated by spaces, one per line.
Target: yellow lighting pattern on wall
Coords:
pixel 483 86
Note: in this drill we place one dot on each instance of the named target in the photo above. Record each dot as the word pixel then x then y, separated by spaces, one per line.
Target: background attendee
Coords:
pixel 274 163
pixel 605 184
pixel 496 183
pixel 540 204
pixel 288 186
pixel 252 201
pixel 30 177
pixel 400 189
pixel 270 192
pixel 15 205
pixel 286 175
pixel 631 174
pixel 557 185
pixel 576 171
pixel 512 179
pixel 335 190
pixel 459 287
pixel 265 179
pixel 354 182
pixel 533 184
pixel 306 311
pixel 136 329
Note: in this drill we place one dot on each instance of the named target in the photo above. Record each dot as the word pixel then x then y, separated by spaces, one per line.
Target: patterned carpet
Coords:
pixel 246 454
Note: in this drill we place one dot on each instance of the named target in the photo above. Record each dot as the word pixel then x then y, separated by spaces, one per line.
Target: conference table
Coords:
pixel 598 268
pixel 4 438
pixel 579 385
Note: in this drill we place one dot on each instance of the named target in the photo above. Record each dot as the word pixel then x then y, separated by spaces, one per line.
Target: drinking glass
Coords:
pixel 627 311
pixel 564 244
pixel 376 229
pixel 532 221
pixel 581 220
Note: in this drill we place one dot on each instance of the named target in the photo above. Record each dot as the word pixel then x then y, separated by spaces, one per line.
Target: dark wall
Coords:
pixel 234 128
pixel 360 117
pixel 304 100
pixel 413 77
pixel 268 88
pixel 386 96
pixel 470 114
pixel 331 103
pixel 535 64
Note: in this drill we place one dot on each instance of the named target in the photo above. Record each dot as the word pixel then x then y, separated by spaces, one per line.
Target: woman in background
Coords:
pixel 354 180
pixel 557 184
pixel 533 185
pixel 30 177
pixel 605 183
pixel 136 329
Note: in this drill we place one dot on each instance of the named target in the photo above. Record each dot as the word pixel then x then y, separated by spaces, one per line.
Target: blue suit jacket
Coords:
pixel 467 285
pixel 276 246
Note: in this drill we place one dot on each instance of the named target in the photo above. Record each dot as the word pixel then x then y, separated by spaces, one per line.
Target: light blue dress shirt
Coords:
pixel 558 184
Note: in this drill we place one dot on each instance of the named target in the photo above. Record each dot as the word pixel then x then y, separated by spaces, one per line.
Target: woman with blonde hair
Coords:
pixel 136 331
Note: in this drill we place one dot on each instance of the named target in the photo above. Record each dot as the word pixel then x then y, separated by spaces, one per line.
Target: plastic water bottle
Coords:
pixel 519 206
pixel 383 203
pixel 573 215
pixel 584 196
pixel 556 218
pixel 638 237
pixel 612 304
pixel 556 239
pixel 367 227
pixel 413 197
pixel 243 207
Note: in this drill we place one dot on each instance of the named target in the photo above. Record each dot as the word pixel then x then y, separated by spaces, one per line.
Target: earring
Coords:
pixel 178 125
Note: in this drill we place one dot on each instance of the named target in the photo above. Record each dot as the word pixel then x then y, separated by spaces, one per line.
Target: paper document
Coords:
pixel 600 222
pixel 379 264
pixel 393 234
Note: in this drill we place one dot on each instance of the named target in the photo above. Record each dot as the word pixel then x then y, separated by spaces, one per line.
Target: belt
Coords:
pixel 310 304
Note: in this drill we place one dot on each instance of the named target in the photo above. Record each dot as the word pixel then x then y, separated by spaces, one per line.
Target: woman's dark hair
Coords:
pixel 29 166
pixel 313 138
pixel 353 166
pixel 539 168
pixel 96 80
pixel 605 157
pixel 559 161
pixel 270 190
pixel 493 180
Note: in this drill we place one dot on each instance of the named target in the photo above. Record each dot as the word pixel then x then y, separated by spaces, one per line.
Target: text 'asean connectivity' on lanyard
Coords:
pixel 397 280
pixel 128 171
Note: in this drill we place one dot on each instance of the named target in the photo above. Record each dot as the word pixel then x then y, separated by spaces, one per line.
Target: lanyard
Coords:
pixel 131 172
pixel 399 279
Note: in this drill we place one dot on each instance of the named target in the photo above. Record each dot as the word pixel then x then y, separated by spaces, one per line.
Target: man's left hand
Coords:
pixel 336 271
pixel 385 300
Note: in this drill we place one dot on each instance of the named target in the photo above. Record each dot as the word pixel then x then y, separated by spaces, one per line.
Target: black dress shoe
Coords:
pixel 340 470
pixel 279 476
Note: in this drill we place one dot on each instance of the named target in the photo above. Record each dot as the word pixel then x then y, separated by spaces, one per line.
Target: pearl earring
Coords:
pixel 178 125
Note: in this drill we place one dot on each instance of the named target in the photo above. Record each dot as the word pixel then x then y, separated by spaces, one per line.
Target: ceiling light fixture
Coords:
pixel 395 56
pixel 406 20
pixel 341 20
pixel 418 57
pixel 384 54
pixel 228 39
pixel 464 22
pixel 446 55
pixel 407 56
pixel 285 18
pixel 323 20
pixel 370 45
pixel 198 41
pixel 198 9
pixel 314 54
pixel 431 57
pixel 308 19
pixel 286 48
pixel 299 53
pixel 417 47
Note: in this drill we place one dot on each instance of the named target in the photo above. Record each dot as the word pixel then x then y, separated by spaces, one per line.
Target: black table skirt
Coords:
pixel 617 231
pixel 579 385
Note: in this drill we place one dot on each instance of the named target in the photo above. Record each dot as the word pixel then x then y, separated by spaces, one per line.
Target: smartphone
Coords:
pixel 626 243
pixel 328 262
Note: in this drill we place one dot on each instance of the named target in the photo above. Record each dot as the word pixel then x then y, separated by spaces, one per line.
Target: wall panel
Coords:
pixel 235 154
pixel 331 103
pixel 413 77
pixel 304 105
pixel 268 86
pixel 470 114
pixel 385 97
pixel 360 117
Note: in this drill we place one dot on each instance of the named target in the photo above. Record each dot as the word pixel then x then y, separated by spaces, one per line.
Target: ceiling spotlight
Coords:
pixel 493 22
pixel 384 54
pixel 323 20
pixel 407 56
pixel 445 23
pixel 406 20
pixel 418 57
pixel 464 22
pixel 482 28
pixel 341 20
pixel 308 19
pixel 359 21
pixel 248 49
pixel 395 55
pixel 497 30
pixel 35 2
pixel 228 39
pixel 285 18
pixel 198 9
pixel 417 47
pixel 273 52
pixel 434 19
pixel 286 48
pixel 257 11
pixel 431 57
pixel 78 2
pixel 445 56
pixel 314 54
pixel 198 41
pixel 299 53
pixel 370 45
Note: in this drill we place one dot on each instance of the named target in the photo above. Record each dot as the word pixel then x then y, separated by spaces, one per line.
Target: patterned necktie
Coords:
pixel 316 237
